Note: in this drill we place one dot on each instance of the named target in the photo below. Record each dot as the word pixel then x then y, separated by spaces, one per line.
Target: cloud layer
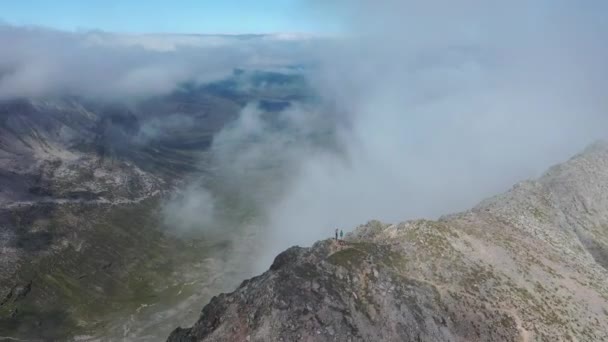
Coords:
pixel 425 109
pixel 444 105
pixel 39 62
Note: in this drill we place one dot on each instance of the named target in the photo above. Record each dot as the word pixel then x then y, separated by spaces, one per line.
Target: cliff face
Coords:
pixel 530 264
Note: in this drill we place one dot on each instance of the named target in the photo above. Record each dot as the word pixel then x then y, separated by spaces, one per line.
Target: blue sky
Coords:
pixel 164 16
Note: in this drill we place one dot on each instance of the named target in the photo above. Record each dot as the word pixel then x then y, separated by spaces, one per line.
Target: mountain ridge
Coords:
pixel 529 264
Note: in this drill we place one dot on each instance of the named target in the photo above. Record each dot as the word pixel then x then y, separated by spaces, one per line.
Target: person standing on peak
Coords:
pixel 341 234
pixel 336 234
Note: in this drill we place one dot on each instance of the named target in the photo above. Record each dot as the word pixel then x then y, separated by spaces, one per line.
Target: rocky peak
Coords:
pixel 526 265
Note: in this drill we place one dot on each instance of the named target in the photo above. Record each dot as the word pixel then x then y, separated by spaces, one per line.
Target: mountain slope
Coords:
pixel 86 248
pixel 83 245
pixel 530 264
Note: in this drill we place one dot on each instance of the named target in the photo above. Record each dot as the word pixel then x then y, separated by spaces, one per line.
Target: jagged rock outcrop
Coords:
pixel 527 265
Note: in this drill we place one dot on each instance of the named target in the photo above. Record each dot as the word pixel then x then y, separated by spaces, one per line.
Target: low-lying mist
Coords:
pixel 429 109
pixel 42 62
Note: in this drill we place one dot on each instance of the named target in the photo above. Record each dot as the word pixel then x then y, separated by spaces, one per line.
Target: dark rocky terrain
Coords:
pixel 527 265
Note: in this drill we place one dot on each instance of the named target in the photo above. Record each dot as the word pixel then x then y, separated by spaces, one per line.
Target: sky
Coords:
pixel 164 16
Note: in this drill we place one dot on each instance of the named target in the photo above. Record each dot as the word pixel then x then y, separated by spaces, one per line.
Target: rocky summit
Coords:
pixel 527 265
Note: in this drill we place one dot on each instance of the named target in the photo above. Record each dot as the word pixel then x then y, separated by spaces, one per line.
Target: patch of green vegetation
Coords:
pixel 549 315
pixel 375 227
pixel 538 287
pixel 538 214
pixel 360 252
pixel 508 322
pixel 443 228
pixel 433 237
pixel 524 294
pixel 394 260
pixel 478 276
pixel 31 322
pixel 349 257
pixel 506 241
pixel 124 262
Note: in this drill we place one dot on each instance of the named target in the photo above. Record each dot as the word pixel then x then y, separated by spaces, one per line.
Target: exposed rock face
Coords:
pixel 527 265
pixel 59 151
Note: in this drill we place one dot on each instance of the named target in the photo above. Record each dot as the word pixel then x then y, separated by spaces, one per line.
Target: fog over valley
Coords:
pixel 141 174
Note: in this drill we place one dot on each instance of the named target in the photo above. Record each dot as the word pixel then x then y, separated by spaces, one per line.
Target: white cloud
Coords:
pixel 39 62
pixel 431 106
pixel 444 105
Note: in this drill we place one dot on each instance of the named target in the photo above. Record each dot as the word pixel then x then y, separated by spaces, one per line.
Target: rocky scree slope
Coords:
pixel 61 151
pixel 527 265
